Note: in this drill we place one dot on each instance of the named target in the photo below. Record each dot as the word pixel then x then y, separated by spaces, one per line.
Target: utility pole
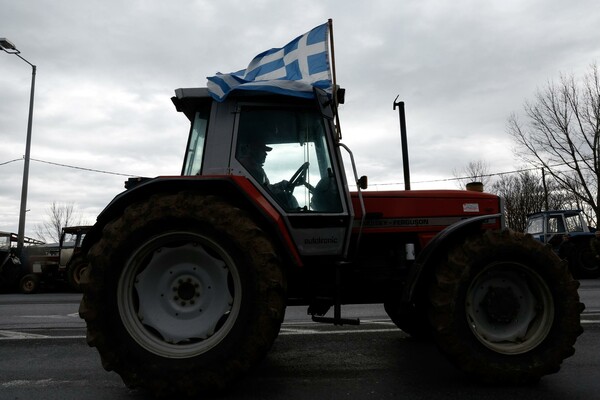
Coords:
pixel 404 139
pixel 10 48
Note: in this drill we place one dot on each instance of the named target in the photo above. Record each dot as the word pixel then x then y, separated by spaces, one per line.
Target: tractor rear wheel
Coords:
pixel 504 308
pixel 184 293
pixel 584 261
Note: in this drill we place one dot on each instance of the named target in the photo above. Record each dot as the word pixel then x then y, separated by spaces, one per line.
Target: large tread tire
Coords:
pixel 504 308
pixel 122 286
pixel 584 261
pixel 413 322
pixel 75 269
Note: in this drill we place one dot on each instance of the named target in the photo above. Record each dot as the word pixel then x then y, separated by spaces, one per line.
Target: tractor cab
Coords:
pixel 286 147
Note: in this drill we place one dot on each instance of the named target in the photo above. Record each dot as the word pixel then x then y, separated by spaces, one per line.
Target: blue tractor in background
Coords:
pixel 570 237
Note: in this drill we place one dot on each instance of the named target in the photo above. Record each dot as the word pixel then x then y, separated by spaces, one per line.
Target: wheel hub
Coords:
pixel 501 304
pixel 509 308
pixel 186 290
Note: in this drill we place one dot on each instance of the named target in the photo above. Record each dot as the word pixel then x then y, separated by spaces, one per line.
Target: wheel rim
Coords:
pixel 179 295
pixel 28 285
pixel 509 308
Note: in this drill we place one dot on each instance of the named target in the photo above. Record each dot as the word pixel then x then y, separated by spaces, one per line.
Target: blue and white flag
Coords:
pixel 292 69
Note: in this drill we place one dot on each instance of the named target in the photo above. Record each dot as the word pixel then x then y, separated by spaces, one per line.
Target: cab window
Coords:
pixel 195 148
pixel 285 151
pixel 535 225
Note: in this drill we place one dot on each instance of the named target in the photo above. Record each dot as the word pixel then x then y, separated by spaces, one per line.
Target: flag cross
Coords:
pixel 293 69
pixel 307 59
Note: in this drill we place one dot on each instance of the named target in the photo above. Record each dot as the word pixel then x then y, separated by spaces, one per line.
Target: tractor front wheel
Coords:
pixel 504 308
pixel 74 272
pixel 184 294
pixel 29 284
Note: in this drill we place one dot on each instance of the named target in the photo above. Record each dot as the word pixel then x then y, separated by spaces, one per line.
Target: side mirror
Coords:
pixel 340 94
pixel 325 103
pixel 363 182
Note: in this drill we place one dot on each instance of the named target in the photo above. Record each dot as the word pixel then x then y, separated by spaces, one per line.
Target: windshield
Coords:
pixel 4 242
pixel 69 240
pixel 535 225
pixel 573 223
pixel 286 152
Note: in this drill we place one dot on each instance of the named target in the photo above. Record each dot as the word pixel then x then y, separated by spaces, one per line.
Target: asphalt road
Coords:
pixel 43 355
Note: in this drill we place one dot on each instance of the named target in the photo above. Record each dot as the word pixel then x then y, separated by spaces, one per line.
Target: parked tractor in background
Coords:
pixel 566 232
pixel 189 276
pixel 13 270
pixel 62 263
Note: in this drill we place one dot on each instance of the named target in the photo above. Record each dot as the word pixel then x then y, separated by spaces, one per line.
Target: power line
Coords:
pixel 11 161
pixel 463 177
pixel 477 176
pixel 82 168
pixel 70 166
pixel 374 184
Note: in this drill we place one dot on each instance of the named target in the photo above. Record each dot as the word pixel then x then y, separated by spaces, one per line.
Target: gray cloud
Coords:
pixel 107 70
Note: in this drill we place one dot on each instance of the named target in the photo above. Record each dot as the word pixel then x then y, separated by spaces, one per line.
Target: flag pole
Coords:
pixel 334 79
pixel 330 24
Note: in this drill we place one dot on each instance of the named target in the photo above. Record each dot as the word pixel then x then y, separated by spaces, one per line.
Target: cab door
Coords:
pixel 288 151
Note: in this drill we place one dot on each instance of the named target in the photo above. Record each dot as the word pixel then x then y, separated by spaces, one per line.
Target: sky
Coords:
pixel 106 71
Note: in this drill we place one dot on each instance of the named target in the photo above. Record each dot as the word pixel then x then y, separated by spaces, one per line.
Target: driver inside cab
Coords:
pixel 252 156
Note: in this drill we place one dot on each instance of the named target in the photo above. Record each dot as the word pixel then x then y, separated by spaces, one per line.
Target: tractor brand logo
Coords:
pixel 471 207
pixel 408 222
pixel 412 222
pixel 320 240
pixel 398 222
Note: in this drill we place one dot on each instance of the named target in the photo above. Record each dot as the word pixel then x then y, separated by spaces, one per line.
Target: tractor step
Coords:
pixel 321 306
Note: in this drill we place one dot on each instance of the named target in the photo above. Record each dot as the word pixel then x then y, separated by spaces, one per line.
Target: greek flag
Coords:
pixel 292 69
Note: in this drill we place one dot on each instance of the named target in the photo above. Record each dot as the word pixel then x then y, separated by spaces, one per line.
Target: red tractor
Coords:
pixel 189 276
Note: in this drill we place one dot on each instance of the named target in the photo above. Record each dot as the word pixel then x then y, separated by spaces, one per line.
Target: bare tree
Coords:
pixel 525 193
pixel 562 135
pixel 474 171
pixel 59 216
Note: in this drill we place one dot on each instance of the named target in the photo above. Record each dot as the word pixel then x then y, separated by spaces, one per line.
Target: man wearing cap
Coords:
pixel 252 156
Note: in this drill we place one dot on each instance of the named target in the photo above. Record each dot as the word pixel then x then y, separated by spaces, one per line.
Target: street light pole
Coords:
pixel 10 48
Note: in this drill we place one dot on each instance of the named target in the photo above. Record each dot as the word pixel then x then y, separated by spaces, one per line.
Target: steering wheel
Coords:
pixel 299 177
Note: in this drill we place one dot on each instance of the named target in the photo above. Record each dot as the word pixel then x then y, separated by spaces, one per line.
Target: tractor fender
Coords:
pixel 581 236
pixel 438 248
pixel 238 190
pixel 570 242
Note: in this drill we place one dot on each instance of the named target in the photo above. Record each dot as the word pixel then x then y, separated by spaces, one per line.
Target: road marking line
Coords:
pixel 42 337
pixel 28 383
pixel 345 331
pixel 13 335
pixel 19 335
pixel 287 331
